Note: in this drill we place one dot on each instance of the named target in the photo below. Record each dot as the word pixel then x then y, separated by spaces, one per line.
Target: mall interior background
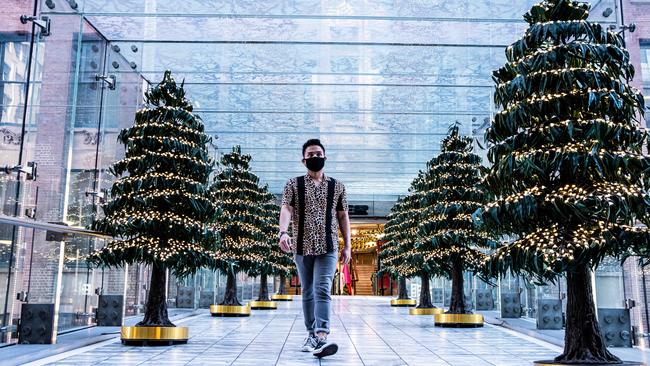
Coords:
pixel 379 82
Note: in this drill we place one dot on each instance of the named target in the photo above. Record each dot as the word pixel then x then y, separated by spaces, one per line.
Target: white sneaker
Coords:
pixel 309 345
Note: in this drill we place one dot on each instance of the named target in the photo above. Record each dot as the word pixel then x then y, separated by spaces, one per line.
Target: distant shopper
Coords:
pixel 317 207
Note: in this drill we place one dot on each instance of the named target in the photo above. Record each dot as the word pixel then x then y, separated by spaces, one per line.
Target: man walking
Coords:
pixel 317 207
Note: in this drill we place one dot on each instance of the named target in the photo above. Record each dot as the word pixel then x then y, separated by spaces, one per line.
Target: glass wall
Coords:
pixel 57 111
pixel 378 81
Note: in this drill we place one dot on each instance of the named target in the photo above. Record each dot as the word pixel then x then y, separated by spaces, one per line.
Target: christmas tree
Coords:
pixel 450 242
pixel 391 249
pixel 160 211
pixel 274 260
pixel 412 256
pixel 241 224
pixel 284 264
pixel 568 163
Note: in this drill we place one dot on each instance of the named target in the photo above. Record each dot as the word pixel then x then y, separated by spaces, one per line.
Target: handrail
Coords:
pixel 19 221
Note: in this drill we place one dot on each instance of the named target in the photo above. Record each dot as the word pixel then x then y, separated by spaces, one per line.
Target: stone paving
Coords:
pixel 367 329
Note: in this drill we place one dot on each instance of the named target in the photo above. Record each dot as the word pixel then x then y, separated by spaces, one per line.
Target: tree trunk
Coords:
pixel 230 297
pixel 402 294
pixel 155 311
pixel 425 294
pixel 283 287
pixel 583 341
pixel 457 300
pixel 264 290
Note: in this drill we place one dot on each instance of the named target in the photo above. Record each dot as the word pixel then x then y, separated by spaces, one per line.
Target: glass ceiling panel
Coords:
pixel 239 29
pixel 378 81
pixel 437 9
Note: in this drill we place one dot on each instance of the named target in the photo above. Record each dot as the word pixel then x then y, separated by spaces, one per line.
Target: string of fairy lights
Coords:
pixel 581 123
pixel 165 155
pixel 534 98
pixel 596 204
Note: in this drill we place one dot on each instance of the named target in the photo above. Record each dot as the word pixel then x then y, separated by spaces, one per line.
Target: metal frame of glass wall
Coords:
pixel 378 82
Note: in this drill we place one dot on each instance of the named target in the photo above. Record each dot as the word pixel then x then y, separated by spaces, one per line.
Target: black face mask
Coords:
pixel 315 164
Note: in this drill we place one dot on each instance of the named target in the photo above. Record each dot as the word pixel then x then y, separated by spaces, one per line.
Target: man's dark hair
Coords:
pixel 312 142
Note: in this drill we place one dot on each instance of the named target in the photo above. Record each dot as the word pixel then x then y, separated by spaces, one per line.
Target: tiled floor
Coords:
pixel 367 329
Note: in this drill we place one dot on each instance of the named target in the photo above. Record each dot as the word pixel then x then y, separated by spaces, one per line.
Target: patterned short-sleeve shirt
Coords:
pixel 314 238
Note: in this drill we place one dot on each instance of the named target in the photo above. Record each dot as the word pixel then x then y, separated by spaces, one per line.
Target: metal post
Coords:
pixel 126 285
pixel 645 302
pixel 57 290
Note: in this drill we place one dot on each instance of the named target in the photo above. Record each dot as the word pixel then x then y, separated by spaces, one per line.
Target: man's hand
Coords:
pixel 346 254
pixel 285 243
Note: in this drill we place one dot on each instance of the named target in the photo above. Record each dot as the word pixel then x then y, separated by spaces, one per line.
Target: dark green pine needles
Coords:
pixel 566 149
pixel 240 225
pixel 160 211
pixel 451 192
pixel 568 164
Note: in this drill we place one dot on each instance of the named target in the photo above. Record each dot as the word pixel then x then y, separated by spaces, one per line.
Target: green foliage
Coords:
pixel 388 255
pixel 283 262
pixel 569 171
pixel 161 211
pixel 243 225
pixel 451 193
pixel 432 226
pixel 275 261
pixel 410 261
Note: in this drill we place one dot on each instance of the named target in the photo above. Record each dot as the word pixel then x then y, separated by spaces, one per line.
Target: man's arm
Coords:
pixel 344 225
pixel 286 213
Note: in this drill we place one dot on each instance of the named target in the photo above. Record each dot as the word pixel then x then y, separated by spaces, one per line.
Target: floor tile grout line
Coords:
pixel 351 341
pixel 179 321
pixel 254 338
pixel 418 342
pixel 285 340
pixel 408 317
pixel 469 351
pixel 217 341
pixel 478 356
pixel 389 346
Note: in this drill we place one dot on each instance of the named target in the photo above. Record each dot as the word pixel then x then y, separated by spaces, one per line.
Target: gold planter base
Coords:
pixel 553 363
pixel 154 336
pixel 403 302
pixel 263 305
pixel 458 320
pixel 230 310
pixel 281 297
pixel 426 311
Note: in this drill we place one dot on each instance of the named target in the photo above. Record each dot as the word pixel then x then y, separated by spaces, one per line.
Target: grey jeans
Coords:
pixel 316 273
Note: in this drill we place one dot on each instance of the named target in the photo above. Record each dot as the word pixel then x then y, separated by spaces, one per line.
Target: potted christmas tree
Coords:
pixel 240 228
pixel 268 248
pixel 450 240
pixel 390 252
pixel 568 162
pixel 160 212
pixel 285 266
pixel 413 259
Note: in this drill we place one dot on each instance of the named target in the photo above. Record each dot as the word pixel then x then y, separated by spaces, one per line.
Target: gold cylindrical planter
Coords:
pixel 553 363
pixel 145 336
pixel 403 302
pixel 263 305
pixel 281 297
pixel 426 311
pixel 230 310
pixel 458 320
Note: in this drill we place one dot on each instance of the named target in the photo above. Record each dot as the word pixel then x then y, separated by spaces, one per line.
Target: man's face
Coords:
pixel 313 151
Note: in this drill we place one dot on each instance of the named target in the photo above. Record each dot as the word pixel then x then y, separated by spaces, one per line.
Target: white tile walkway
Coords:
pixel 367 329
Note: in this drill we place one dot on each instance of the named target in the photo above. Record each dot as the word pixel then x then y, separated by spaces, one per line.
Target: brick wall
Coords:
pixel 637 12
